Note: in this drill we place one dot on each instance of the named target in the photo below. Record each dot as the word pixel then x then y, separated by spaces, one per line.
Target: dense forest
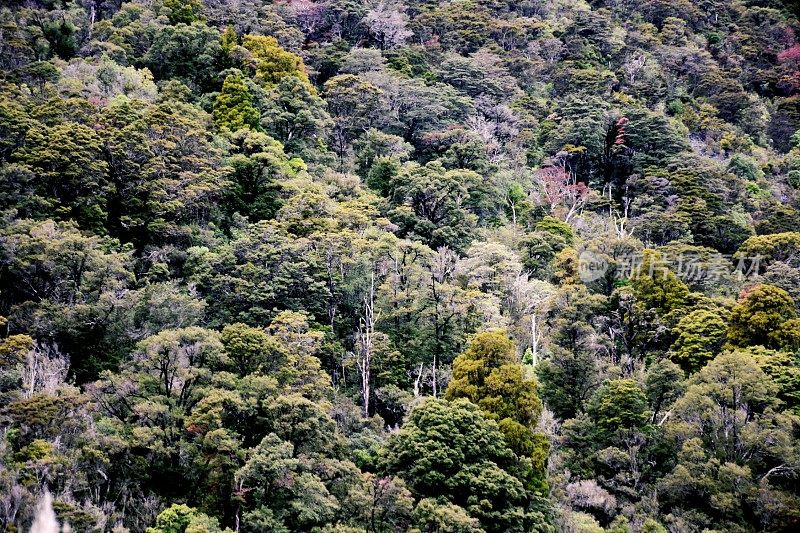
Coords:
pixel 432 266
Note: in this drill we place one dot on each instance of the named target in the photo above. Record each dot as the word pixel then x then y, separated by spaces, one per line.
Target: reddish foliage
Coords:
pixel 620 124
pixel 790 54
pixel 561 190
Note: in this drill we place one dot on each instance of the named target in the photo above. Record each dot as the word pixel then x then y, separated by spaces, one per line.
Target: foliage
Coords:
pixel 450 451
pixel 488 374
pixel 699 337
pixel 389 266
pixel 758 314
pixel 234 108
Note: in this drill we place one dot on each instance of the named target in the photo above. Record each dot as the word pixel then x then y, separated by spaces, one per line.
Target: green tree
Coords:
pixel 179 518
pixel 355 105
pixel 71 172
pixel 296 116
pixel 430 515
pixel 784 370
pixel 259 174
pixel 437 205
pixel 664 383
pixel 487 374
pixel 448 450
pixel 251 349
pixel 264 270
pixel 618 405
pixel 15 124
pixel 190 53
pixel 655 286
pixel 233 108
pixel 700 336
pixel 303 504
pixel 273 63
pixel 184 11
pixel 731 437
pixel 167 173
pixel 769 248
pixel 758 314
pixel 58 280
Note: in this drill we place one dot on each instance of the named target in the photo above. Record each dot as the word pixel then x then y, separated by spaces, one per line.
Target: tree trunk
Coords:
pixel 366 335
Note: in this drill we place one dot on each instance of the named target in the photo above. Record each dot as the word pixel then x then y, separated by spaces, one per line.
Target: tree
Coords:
pixel 569 374
pixel 449 450
pixel 618 405
pixel 760 312
pixel 184 519
pixel 296 116
pixel 15 124
pixel 167 173
pixel 665 382
pixel 365 343
pixel 700 336
pixel 265 271
pixel 430 515
pixel 385 150
pixel 190 53
pixel 57 279
pixel 184 11
pixel 487 374
pixel 478 375
pixel 767 249
pixel 259 171
pixel 387 23
pixel 732 439
pixel 271 63
pixel 784 370
pixel 100 80
pixel 355 105
pixel 251 349
pixel 560 191
pixel 283 489
pixel 233 108
pixel 71 172
pixel 436 205
pixel 655 286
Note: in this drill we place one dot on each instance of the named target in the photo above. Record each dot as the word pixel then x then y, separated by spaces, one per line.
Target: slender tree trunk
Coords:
pixel 433 370
pixel 418 379
pixel 366 337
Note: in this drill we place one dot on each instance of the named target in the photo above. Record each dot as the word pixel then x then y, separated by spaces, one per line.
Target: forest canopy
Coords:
pixel 457 266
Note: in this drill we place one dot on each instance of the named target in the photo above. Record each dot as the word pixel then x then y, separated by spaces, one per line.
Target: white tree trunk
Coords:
pixel 534 340
pixel 366 336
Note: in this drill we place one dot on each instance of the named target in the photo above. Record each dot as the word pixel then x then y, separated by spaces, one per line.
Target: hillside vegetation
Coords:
pixel 339 266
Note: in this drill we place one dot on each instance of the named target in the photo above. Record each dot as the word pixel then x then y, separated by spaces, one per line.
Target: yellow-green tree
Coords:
pixel 233 108
pixel 700 336
pixel 272 63
pixel 487 374
pixel 759 314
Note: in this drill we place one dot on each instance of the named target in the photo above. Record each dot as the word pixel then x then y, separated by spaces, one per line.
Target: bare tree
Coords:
pixel 45 369
pixel 633 66
pixel 531 300
pixel 365 342
pixel 617 218
pixel 387 22
pixel 309 15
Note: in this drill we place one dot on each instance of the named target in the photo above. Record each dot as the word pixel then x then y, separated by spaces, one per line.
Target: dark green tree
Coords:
pixel 448 450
